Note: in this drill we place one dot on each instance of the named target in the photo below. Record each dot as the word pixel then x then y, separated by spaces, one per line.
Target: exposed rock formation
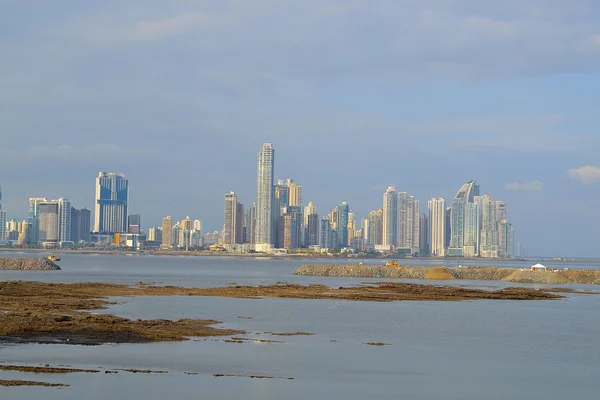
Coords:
pixel 27 264
pixel 440 273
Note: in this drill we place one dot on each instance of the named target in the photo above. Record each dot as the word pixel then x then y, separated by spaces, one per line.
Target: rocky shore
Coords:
pixel 36 312
pixel 28 264
pixel 461 273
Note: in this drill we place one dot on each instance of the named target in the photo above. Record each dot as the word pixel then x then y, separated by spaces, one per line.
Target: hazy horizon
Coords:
pixel 179 96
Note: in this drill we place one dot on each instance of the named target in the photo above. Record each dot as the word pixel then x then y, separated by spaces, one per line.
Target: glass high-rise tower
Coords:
pixel 112 196
pixel 264 198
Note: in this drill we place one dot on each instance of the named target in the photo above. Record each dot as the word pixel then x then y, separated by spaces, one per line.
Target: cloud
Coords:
pixel 587 174
pixel 174 25
pixel 526 186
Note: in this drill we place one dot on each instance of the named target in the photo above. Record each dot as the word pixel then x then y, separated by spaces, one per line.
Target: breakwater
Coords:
pixel 28 264
pixel 516 275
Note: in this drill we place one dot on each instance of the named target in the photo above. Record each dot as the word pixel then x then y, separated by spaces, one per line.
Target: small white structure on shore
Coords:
pixel 538 267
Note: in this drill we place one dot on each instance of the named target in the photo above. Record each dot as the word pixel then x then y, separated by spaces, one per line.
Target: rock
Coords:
pixel 467 273
pixel 28 264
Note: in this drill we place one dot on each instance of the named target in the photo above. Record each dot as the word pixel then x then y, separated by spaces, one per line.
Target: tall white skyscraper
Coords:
pixel 472 230
pixel 64 220
pixel 488 246
pixel 264 198
pixel 112 196
pixel 390 217
pixel 437 227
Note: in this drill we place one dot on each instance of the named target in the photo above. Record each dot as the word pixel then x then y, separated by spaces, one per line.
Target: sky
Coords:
pixel 422 94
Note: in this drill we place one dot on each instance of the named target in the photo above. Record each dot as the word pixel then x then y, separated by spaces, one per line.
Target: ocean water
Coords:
pixel 446 350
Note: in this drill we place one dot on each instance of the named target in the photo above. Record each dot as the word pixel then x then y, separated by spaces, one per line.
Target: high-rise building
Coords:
pixel 312 227
pixel 471 230
pixel 75 224
pixel 167 228
pixel 280 201
pixel 351 228
pixel 408 223
pixel 375 234
pixel 488 245
pixel 424 235
pixel 390 217
pixel 437 227
pixel 289 227
pixel 325 239
pixel 233 223
pixel 112 196
pixel 48 222
pixel 466 195
pixel 264 197
pixel 64 220
pixel 134 223
pixel 295 193
pixel 505 239
pixel 33 218
pixel 251 224
pixel 342 225
pixel 2 221
pixel 85 227
pixel 3 234
pixel 155 234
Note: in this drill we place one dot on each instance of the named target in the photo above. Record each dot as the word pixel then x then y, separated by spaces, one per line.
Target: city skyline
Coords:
pixel 406 230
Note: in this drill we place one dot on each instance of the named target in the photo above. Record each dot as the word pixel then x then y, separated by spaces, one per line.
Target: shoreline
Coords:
pixel 513 275
pixel 35 312
pixel 294 256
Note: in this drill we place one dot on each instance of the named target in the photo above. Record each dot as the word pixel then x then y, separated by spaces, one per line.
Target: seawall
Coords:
pixel 462 273
pixel 28 264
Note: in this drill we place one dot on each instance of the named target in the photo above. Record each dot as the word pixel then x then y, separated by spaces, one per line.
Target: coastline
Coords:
pixel 191 253
pixel 514 275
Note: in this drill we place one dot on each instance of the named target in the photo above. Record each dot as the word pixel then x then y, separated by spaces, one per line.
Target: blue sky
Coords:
pixel 179 95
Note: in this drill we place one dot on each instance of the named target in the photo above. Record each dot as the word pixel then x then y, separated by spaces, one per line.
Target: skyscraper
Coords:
pixel 251 224
pixel 375 226
pixel 312 228
pixel 390 217
pixel 2 225
pixel 465 195
pixel 134 223
pixel 488 246
pixel 408 222
pixel 167 227
pixel 280 201
pixel 505 239
pixel 2 221
pixel 424 235
pixel 85 228
pixel 48 224
pixel 264 197
pixel 75 224
pixel 33 218
pixel 325 234
pixel 233 223
pixel 112 196
pixel 64 220
pixel 437 227
pixel 472 230
pixel 295 193
pixel 342 225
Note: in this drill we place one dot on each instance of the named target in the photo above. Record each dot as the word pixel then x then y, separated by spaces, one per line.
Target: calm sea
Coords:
pixel 467 350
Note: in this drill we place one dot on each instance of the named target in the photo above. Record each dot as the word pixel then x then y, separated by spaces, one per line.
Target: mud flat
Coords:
pixel 35 312
pixel 455 273
pixel 28 264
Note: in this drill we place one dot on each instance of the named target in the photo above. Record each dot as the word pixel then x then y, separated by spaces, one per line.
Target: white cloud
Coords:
pixel 175 25
pixel 587 174
pixel 525 186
